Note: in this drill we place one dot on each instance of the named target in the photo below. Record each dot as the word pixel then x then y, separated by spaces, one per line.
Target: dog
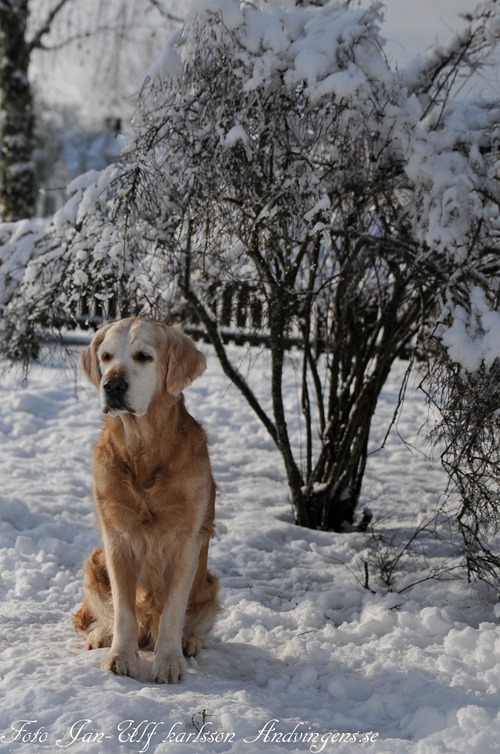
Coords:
pixel 148 587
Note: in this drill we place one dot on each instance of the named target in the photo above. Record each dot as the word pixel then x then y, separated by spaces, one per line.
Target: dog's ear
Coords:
pixel 184 362
pixel 89 362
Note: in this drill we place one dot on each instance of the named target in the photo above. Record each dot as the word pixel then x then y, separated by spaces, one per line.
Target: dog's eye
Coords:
pixel 106 356
pixel 142 357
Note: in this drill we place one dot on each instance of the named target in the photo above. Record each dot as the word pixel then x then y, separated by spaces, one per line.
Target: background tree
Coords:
pixel 17 116
pixel 277 147
pixel 48 27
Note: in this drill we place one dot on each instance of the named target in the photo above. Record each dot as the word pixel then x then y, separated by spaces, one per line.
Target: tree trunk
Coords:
pixel 17 169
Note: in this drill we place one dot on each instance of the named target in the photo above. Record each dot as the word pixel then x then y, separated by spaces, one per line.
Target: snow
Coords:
pixel 474 339
pixel 302 657
pixel 238 134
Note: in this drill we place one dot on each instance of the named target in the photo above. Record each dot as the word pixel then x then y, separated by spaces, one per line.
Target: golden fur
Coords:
pixel 148 586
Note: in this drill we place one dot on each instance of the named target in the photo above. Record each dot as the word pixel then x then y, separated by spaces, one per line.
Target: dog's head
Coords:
pixel 134 360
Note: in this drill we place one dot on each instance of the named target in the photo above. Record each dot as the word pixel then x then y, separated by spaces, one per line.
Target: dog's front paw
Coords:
pixel 121 663
pixel 169 669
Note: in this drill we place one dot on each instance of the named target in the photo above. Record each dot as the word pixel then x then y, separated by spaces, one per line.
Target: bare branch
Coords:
pixel 36 40
pixel 164 12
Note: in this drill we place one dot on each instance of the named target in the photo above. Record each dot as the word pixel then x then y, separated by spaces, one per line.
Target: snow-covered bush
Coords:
pixel 274 144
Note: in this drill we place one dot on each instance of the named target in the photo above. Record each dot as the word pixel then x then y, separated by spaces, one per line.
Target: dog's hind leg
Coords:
pixel 95 617
pixel 203 607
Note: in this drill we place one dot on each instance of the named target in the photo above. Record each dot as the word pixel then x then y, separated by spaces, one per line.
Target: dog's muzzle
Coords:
pixel 115 390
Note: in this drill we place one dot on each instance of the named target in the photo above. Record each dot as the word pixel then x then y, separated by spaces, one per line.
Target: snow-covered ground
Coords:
pixel 302 658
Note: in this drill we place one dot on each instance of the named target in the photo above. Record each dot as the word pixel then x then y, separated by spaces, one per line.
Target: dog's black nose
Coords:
pixel 115 385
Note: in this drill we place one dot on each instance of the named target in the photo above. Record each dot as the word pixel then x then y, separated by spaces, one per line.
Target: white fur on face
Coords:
pixel 129 352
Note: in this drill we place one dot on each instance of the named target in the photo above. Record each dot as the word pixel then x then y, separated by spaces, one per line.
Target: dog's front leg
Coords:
pixel 169 664
pixel 120 561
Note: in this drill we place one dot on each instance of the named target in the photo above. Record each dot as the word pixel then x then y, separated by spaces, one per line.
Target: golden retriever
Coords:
pixel 149 586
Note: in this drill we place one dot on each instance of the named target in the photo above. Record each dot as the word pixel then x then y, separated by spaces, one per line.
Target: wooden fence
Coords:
pixel 237 309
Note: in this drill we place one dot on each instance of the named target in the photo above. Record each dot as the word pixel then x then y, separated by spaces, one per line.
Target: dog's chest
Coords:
pixel 166 499
pixel 154 493
pixel 143 495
